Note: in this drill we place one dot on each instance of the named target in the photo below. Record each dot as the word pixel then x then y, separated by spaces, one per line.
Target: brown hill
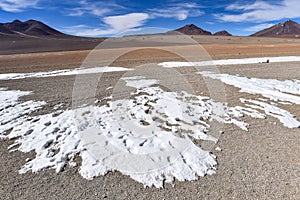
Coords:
pixel 34 36
pixel 30 28
pixel 192 29
pixel 222 33
pixel 286 29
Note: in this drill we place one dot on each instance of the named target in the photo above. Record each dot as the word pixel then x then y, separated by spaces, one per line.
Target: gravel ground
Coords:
pixel 262 163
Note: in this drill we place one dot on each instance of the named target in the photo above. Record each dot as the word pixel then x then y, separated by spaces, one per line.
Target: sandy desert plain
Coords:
pixel 261 163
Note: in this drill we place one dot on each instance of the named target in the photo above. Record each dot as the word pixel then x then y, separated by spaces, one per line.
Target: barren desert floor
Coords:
pixel 261 163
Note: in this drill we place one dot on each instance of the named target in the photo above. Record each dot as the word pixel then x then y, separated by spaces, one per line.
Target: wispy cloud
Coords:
pixel 258 27
pixel 114 24
pixel 71 28
pixel 261 11
pixel 17 5
pixel 128 22
pixel 94 8
pixel 179 11
pixel 253 6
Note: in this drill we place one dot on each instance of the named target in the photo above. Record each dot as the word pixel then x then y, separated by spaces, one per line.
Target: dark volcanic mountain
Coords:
pixel 286 29
pixel 34 36
pixel 191 29
pixel 222 33
pixel 30 28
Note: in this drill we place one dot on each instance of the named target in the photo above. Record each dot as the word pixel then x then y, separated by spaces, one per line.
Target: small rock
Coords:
pixel 47 124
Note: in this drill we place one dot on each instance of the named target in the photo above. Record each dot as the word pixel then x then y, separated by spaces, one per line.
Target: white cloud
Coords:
pixel 170 13
pixel 262 11
pixel 128 22
pixel 75 12
pixel 179 11
pixel 115 24
pixel 93 8
pixel 79 26
pixel 255 5
pixel 258 27
pixel 17 5
pixel 70 29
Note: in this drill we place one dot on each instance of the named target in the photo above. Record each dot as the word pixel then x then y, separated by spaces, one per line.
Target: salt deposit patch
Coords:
pixel 150 137
pixel 232 61
pixel 282 92
pixel 139 82
pixel 12 112
pixel 159 129
pixel 286 118
pixel 66 72
pixel 269 88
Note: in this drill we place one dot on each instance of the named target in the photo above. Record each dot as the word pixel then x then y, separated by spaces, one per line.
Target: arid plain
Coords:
pixel 261 163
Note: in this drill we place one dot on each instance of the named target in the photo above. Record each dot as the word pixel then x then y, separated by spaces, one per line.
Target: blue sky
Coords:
pixel 108 18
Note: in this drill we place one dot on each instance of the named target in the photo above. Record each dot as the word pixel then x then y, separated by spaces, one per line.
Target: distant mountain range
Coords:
pixel 192 29
pixel 30 28
pixel 286 29
pixel 36 29
pixel 34 36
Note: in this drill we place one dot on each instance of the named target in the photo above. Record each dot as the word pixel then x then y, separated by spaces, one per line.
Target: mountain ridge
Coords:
pixel 29 28
pixel 36 29
pixel 191 29
pixel 222 33
pixel 288 28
